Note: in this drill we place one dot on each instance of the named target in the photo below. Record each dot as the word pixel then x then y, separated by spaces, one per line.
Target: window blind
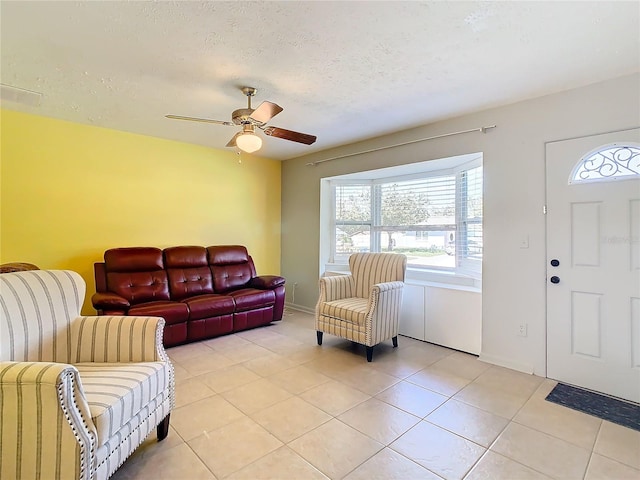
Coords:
pixel 352 220
pixel 419 205
pixel 435 219
pixel 353 203
pixel 469 207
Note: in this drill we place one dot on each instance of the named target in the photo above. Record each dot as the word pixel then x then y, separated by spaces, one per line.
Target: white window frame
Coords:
pixel 466 273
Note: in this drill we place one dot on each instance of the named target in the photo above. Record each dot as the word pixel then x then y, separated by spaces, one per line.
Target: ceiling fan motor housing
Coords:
pixel 241 116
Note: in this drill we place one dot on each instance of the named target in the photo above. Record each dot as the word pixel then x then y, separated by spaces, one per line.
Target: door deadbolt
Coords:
pixel 555 279
pixel 555 262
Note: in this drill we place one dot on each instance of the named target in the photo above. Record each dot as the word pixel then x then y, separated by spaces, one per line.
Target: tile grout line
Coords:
pixel 340 379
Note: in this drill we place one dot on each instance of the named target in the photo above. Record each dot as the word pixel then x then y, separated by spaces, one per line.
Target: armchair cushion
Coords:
pixel 369 269
pixel 117 392
pixel 353 309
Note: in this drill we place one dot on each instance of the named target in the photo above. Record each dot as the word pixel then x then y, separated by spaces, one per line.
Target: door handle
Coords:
pixel 555 279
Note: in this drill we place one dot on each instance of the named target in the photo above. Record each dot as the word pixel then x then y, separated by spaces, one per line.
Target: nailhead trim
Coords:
pixel 67 377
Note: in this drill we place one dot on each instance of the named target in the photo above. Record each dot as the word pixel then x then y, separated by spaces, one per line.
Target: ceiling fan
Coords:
pixel 246 139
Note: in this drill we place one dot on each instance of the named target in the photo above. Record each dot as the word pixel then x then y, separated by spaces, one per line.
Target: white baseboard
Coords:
pixel 299 308
pixel 506 362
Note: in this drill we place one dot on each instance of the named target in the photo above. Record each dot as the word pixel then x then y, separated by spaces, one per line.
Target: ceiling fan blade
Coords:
pixel 265 112
pixel 203 120
pixel 232 142
pixel 290 135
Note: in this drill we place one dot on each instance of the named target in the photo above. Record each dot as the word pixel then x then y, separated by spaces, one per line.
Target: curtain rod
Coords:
pixel 480 129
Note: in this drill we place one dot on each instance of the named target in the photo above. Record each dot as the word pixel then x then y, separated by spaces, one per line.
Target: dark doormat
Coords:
pixel 611 409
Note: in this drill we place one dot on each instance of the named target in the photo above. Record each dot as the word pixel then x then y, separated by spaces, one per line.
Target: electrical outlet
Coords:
pixel 522 330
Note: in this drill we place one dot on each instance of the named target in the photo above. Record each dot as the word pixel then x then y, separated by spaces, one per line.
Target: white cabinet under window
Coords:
pixel 412 314
pixel 444 316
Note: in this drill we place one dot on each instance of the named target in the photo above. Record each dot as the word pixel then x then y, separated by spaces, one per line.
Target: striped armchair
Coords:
pixel 363 307
pixel 77 394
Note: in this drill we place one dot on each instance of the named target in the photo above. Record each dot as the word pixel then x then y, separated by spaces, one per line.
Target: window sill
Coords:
pixel 424 277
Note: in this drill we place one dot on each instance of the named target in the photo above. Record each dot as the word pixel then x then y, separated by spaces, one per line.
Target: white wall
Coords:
pixel 514 281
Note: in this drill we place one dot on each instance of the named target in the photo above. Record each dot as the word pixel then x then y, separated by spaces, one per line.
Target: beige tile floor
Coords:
pixel 270 404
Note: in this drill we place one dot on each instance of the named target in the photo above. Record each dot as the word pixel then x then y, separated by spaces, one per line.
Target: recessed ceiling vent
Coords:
pixel 19 95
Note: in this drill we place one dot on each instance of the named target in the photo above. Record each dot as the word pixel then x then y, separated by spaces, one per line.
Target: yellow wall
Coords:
pixel 68 192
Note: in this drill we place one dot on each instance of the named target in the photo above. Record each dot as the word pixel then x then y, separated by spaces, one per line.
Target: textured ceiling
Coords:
pixel 343 71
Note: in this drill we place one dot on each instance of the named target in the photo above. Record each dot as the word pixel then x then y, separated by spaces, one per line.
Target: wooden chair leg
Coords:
pixel 319 335
pixel 369 354
pixel 395 341
pixel 163 428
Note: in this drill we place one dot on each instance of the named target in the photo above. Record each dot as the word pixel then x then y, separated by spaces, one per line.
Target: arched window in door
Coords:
pixel 609 162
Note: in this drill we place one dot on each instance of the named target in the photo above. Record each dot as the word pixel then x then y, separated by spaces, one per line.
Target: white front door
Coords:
pixel 593 292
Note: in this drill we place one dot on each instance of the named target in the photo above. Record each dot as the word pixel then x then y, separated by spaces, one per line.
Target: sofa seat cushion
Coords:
pixel 206 306
pixel 172 312
pixel 116 392
pixel 352 309
pixel 249 298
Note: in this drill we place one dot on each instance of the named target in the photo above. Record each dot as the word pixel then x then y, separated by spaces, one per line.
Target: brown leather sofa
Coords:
pixel 200 292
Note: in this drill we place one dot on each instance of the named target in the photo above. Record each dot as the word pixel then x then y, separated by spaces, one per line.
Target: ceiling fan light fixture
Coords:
pixel 248 142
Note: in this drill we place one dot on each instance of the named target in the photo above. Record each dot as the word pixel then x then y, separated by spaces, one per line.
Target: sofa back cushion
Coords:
pixel 188 271
pixel 136 273
pixel 231 266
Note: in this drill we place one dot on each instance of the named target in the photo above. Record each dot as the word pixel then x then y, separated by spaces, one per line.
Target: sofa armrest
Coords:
pixel 46 423
pixel 266 282
pixel 117 339
pixel 109 300
pixel 335 287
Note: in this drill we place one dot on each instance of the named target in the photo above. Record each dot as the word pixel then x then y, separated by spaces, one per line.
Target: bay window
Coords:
pixel 434 217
